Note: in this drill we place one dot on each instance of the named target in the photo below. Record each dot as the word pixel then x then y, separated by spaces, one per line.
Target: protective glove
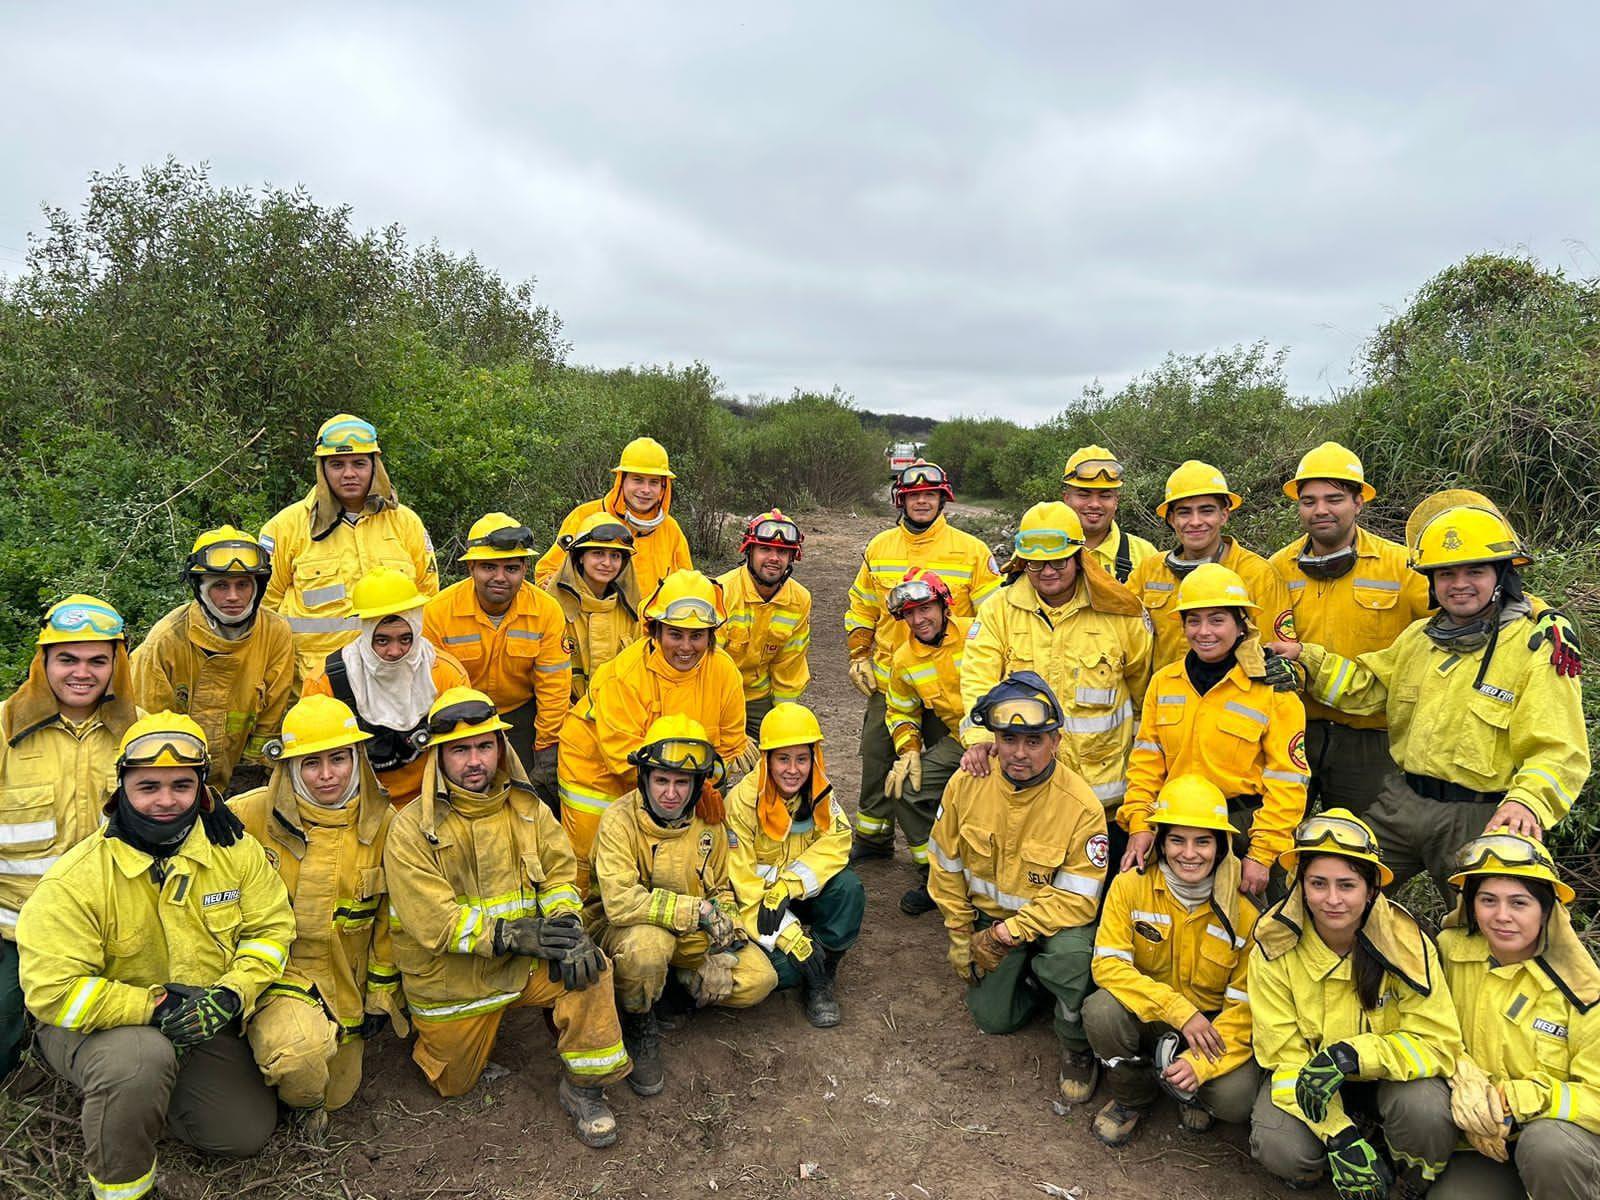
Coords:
pixel 907 768
pixel 177 994
pixel 542 770
pixel 1475 1101
pixel 713 982
pixel 1496 1148
pixel 810 967
pixel 1565 654
pixel 1355 1168
pixel 200 1016
pixel 372 1025
pixel 536 936
pixel 579 966
pixel 217 819
pixel 1282 674
pixel 774 903
pixel 988 950
pixel 744 762
pixel 719 928
pixel 1321 1078
pixel 862 676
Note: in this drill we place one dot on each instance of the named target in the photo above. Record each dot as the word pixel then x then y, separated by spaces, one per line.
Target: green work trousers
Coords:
pixel 1348 766
pixel 1414 1116
pixel 754 712
pixel 134 1081
pixel 875 813
pixel 1416 834
pixel 832 919
pixel 1049 972
pixel 1115 1033
pixel 13 1017
pixel 915 810
pixel 1550 1160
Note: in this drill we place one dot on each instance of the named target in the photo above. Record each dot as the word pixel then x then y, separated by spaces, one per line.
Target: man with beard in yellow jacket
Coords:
pixel 483 890
pixel 322 819
pixel 769 616
pixel 222 659
pixel 58 753
pixel 351 523
pixel 661 867
pixel 641 498
pixel 142 949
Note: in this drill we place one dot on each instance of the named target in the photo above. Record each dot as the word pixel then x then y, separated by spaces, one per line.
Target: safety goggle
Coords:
pixel 1051 543
pixel 226 558
pixel 769 530
pixel 512 537
pixel 1020 712
pixel 164 748
pixel 1336 831
pixel 350 437
pixel 910 594
pixel 1504 849
pixel 1097 468
pixel 922 475
pixel 680 755
pixel 452 717
pixel 613 537
pixel 689 608
pixel 75 618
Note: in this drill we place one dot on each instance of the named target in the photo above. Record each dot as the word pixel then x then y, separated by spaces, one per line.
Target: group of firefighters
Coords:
pixel 1163 796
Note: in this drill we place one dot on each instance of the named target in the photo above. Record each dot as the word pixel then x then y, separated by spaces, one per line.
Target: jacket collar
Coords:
pixel 1562 958
pixel 196 848
pixel 1390 933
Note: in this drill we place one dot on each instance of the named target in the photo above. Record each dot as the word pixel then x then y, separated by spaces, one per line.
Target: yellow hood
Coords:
pixel 326 509
pixel 34 705
pixel 1390 933
pixel 774 814
pixel 1564 958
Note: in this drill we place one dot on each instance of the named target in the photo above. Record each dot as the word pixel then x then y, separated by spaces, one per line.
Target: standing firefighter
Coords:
pixel 598 595
pixel 661 867
pixel 641 498
pixel 1065 619
pixel 1197 507
pixel 769 616
pixel 141 950
pixel 482 888
pixel 220 658
pixel 1019 858
pixel 508 635
pixel 788 844
pixel 58 754
pixel 924 712
pixel 323 820
pixel 351 523
pixel 922 538
pixel 1354 593
pixel 1090 486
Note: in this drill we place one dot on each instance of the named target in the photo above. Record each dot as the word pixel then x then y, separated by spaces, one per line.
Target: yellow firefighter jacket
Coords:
pixel 1094 651
pixel 1156 585
pixel 1164 963
pixel 960 559
pixel 100 937
pixel 767 639
pixel 1532 1026
pixel 519 660
pixel 657 552
pixel 1121 552
pixel 926 678
pixel 237 691
pixel 769 843
pixel 331 862
pixel 1033 858
pixel 1364 609
pixel 596 629
pixel 1520 732
pixel 1303 999
pixel 455 862
pixel 649 874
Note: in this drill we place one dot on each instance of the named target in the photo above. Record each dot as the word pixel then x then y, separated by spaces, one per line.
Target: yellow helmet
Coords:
pixel 1465 536
pixel 459 713
pixel 498 536
pixel 228 551
pixel 644 456
pixel 1196 478
pixel 81 618
pixel 164 739
pixel 1512 854
pixel 317 724
pixel 383 592
pixel 1336 831
pixel 346 434
pixel 686 599
pixel 1330 461
pixel 1193 801
pixel 676 743
pixel 1432 505
pixel 1048 531
pixel 1212 585
pixel 1092 467
pixel 789 724
pixel 599 531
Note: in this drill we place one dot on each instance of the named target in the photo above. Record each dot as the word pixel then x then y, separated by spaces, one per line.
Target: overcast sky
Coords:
pixel 940 208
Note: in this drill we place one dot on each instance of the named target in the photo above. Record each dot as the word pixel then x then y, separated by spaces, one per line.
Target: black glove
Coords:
pixel 536 936
pixel 578 967
pixel 812 972
pixel 1322 1077
pixel 201 1016
pixel 217 819
pixel 177 994
pixel 1282 674
pixel 1358 1173
pixel 773 905
pixel 372 1024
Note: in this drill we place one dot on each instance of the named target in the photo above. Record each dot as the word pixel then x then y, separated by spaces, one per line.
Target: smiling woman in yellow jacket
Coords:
pixel 598 595
pixel 1527 1090
pixel 1346 990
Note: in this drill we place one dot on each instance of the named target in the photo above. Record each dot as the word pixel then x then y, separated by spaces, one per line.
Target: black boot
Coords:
pixel 917 901
pixel 642 1037
pixel 817 974
pixel 860 850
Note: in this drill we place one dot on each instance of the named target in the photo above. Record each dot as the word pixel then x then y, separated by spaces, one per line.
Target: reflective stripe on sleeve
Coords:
pixel 953 865
pixel 83 995
pixel 807 878
pixel 27 831
pixel 1152 747
pixel 1287 777
pixel 1112 952
pixel 1236 996
pixel 267 951
pixel 1114 790
pixel 1078 885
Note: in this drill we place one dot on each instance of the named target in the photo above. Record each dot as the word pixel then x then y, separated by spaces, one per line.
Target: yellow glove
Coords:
pixel 908 767
pixel 861 675
pixel 1475 1101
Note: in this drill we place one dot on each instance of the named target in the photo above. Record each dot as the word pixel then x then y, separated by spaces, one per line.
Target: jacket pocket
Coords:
pixel 318 583
pixel 27 820
pixel 532 868
pixel 1483 731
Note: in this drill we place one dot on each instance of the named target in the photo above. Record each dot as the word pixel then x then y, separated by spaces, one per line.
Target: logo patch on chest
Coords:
pixel 1540 1025
pixel 212 898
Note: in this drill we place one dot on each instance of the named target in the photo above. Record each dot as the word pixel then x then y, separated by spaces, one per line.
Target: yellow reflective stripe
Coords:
pixel 583 801
pixel 551 668
pixel 469 925
pixel 85 994
pixel 1112 952
pixel 600 1061
pixel 870 825
pixel 561 898
pixel 663 907
pixel 1412 1051
pixel 124 1191
pixel 460 1008
pixel 798 642
pixel 267 951
pixel 919 853
pixel 1336 688
pixel 944 860
pixel 1552 781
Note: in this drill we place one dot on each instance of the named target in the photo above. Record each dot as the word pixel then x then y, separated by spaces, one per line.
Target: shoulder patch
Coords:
pixel 1284 626
pixel 994 565
pixel 733 838
pixel 1099 849
pixel 705 843
pixel 270 543
pixel 1297 751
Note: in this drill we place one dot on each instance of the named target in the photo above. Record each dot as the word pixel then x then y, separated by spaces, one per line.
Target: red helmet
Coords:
pixel 773 529
pixel 918 587
pixel 920 476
